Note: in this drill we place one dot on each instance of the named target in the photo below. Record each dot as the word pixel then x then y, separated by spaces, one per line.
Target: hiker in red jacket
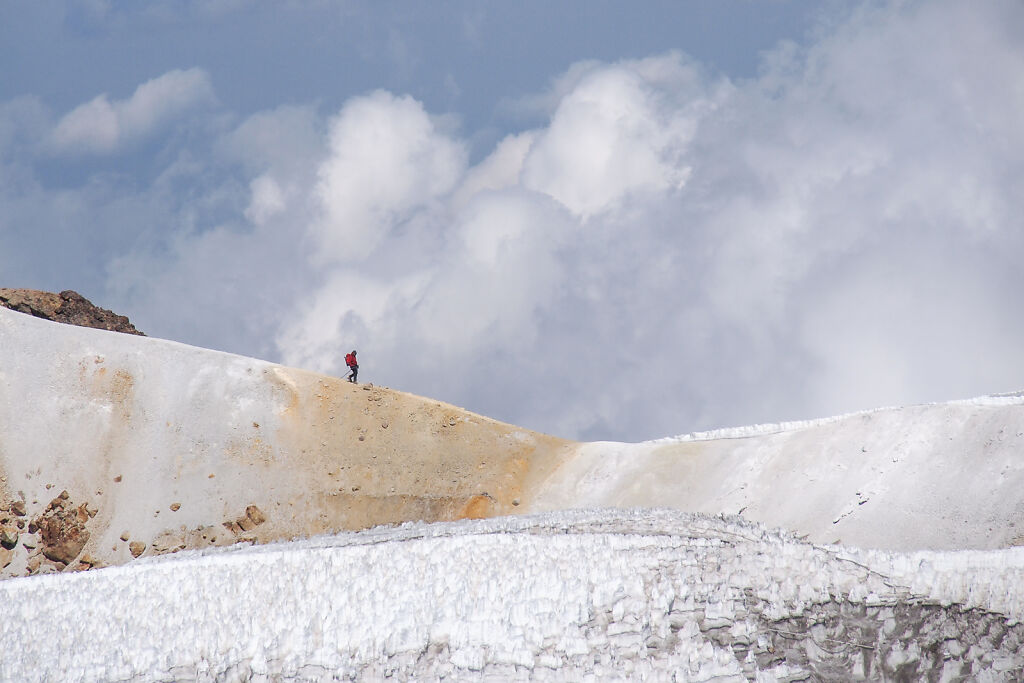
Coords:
pixel 350 361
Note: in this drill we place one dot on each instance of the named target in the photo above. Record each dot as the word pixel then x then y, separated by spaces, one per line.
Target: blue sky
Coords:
pixel 464 57
pixel 580 217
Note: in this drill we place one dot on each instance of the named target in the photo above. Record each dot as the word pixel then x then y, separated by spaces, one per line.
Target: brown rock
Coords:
pixel 117 479
pixel 246 524
pixel 18 508
pixel 175 507
pixel 136 548
pixel 67 307
pixel 255 514
pixel 125 535
pixel 63 542
pixel 8 537
pixel 6 556
pixel 86 562
pixel 62 533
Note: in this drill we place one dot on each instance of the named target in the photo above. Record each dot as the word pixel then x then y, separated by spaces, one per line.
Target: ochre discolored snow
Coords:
pixel 172 445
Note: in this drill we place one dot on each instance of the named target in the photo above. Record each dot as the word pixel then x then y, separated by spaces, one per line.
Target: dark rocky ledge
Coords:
pixel 67 307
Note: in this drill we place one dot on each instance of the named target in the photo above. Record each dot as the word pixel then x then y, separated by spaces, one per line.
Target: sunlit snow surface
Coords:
pixel 624 594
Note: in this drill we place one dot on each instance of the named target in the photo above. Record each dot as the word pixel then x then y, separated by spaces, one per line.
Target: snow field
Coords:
pixel 162 438
pixel 610 594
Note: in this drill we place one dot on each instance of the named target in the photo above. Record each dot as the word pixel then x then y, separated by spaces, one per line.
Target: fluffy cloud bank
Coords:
pixel 676 250
pixel 670 251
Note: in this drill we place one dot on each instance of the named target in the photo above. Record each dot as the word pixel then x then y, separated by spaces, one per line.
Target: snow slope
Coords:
pixel 945 476
pixel 170 445
pixel 622 568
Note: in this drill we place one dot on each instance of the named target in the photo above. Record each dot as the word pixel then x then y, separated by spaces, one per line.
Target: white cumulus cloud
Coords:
pixel 668 250
pixel 102 126
pixel 387 160
pixel 619 130
pixel 673 249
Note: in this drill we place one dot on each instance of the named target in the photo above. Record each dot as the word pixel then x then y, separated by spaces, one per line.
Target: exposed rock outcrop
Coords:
pixel 67 307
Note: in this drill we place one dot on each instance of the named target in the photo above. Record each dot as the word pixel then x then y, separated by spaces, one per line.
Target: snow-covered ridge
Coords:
pixel 880 544
pixel 1002 399
pixel 152 436
pixel 942 476
pixel 126 445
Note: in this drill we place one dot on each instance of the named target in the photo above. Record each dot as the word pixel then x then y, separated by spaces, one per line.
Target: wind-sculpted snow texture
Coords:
pixel 655 595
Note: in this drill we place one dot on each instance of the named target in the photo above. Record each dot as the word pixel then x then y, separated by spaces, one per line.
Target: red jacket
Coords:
pixel 350 360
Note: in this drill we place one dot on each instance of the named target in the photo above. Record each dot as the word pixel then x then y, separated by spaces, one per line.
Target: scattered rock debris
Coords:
pixel 61 526
pixel 252 518
pixel 255 514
